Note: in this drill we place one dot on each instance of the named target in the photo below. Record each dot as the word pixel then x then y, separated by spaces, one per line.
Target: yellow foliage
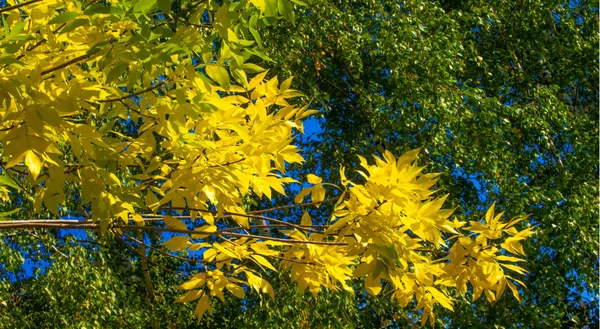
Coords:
pixel 74 77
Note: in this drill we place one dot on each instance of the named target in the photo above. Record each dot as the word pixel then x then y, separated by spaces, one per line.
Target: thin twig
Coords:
pixel 148 280
pixel 74 60
pixel 139 254
pixel 304 228
pixel 16 181
pixel 7 225
pixel 227 163
pixel 290 260
pixel 26 3
pixel 131 95
pixel 193 261
pixel 308 204
pixel 135 110
pixel 58 251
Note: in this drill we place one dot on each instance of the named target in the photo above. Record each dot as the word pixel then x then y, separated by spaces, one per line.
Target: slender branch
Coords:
pixel 74 60
pixel 148 280
pixel 135 110
pixel 16 181
pixel 201 26
pixel 8 128
pixel 64 224
pixel 240 235
pixel 304 228
pixel 164 253
pixel 58 251
pixel 441 252
pixel 131 95
pixel 143 256
pixel 308 204
pixel 10 225
pixel 89 224
pixel 227 163
pixel 26 3
pixel 40 42
pixel 291 260
pixel 231 214
pixel 52 247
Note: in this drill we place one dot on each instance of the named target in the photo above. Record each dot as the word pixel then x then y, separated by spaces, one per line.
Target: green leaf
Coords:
pixel 252 68
pixel 270 8
pixel 164 6
pixel 116 71
pixel 218 74
pixel 63 17
pixel 286 10
pixel 144 6
pixel 256 36
pixel 10 60
pixel 7 181
pixel 74 24
pixel 4 215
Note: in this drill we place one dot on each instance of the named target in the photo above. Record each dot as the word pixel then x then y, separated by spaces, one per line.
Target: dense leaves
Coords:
pixel 151 120
pixel 502 95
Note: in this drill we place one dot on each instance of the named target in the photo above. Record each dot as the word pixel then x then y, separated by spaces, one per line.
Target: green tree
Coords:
pixel 502 95
pixel 126 111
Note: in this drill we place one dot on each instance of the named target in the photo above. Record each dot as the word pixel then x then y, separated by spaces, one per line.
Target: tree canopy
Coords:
pixel 156 120
pixel 502 95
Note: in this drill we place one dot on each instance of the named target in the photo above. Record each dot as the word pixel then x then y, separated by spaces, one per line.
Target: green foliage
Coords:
pixel 502 95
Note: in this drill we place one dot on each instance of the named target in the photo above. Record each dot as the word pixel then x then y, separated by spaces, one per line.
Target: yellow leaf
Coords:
pixel 151 201
pixel 225 250
pixel 210 192
pixel 490 295
pixel 218 74
pixel 209 255
pixel 202 307
pixel 236 290
pixel 206 229
pixel 441 298
pixel 305 220
pixel 373 285
pixel 138 219
pixel 489 215
pixel 285 84
pixel 189 296
pixel 509 259
pixel 209 218
pixel 312 179
pixel 363 269
pixel 34 164
pixel 262 261
pixel 343 178
pixel 259 3
pixel 300 197
pixel 175 223
pixel 177 243
pixel 514 290
pixel 256 80
pixel 196 282
pixel 515 268
pixel 318 193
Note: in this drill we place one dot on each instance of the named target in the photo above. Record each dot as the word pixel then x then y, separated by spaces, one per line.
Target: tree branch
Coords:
pixel 66 224
pixel 26 3
pixel 74 60
pixel 148 280
pixel 193 261
pixel 308 204
pixel 131 95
